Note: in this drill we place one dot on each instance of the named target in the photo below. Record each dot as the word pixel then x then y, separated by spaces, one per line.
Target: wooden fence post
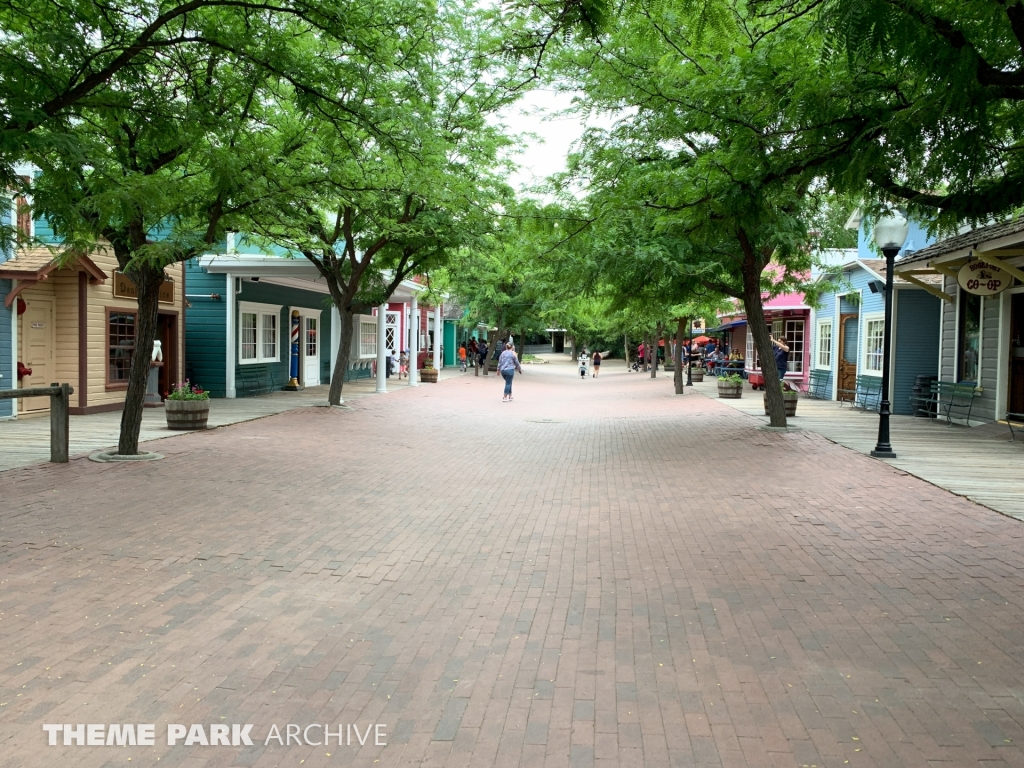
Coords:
pixel 59 428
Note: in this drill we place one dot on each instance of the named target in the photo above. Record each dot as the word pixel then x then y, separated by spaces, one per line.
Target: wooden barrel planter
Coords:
pixel 697 374
pixel 428 375
pixel 187 414
pixel 728 390
pixel 789 398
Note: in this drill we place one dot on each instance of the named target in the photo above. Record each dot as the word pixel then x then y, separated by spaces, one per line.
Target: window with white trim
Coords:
pixel 823 345
pixel 793 333
pixel 874 340
pixel 258 333
pixel 367 339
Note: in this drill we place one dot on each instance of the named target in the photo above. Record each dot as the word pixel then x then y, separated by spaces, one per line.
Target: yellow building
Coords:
pixel 76 324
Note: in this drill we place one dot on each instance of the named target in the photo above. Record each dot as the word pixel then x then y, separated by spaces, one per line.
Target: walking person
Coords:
pixel 508 364
pixel 781 352
pixel 583 364
pixel 481 353
pixel 597 363
pixel 462 357
pixel 403 364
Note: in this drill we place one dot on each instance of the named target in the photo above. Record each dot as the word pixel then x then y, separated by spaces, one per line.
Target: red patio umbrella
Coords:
pixel 702 340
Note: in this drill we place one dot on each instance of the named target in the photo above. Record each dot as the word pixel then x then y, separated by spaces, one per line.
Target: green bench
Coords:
pixel 1014 417
pixel 257 381
pixel 947 397
pixel 867 393
pixel 817 385
pixel 362 369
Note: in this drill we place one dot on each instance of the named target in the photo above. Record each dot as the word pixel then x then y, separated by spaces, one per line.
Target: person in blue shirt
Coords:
pixel 781 352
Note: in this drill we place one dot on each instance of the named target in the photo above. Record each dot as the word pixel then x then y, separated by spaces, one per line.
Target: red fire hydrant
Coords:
pixel 23 371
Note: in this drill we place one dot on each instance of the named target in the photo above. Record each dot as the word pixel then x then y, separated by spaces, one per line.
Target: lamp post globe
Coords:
pixel 890 234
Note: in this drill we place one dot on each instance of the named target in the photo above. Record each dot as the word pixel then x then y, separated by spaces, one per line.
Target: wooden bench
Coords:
pixel 867 393
pixel 948 396
pixel 817 385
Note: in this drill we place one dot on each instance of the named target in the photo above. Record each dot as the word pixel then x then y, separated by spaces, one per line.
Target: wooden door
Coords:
pixel 847 363
pixel 1015 401
pixel 38 351
pixel 167 333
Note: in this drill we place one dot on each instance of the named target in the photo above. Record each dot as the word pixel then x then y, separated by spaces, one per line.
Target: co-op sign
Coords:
pixel 983 279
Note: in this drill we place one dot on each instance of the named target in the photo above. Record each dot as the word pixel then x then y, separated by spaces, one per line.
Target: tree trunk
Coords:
pixel 476 364
pixel 522 343
pixel 147 280
pixel 492 339
pixel 677 374
pixel 762 340
pixel 625 343
pixel 654 361
pixel 572 347
pixel 344 351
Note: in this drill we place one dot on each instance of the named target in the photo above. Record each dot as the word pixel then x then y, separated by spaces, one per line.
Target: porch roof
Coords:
pixel 993 243
pixel 294 272
pixel 31 265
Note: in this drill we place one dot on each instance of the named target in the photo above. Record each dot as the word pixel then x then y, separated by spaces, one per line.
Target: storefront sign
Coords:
pixel 124 288
pixel 982 279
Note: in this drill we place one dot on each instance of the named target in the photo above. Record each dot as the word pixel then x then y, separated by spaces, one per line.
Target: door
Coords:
pixel 310 350
pixel 1015 401
pixel 38 351
pixel 167 334
pixel 392 333
pixel 847 376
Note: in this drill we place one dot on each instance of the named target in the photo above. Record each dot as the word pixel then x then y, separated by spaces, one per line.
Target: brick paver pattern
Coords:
pixel 599 573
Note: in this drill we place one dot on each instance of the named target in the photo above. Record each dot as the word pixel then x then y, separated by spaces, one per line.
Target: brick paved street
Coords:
pixel 599 573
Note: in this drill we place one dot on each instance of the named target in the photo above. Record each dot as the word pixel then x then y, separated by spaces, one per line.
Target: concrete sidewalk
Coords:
pixel 26 440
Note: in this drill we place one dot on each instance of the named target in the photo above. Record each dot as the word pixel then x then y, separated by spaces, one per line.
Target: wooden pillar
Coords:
pixel 59 427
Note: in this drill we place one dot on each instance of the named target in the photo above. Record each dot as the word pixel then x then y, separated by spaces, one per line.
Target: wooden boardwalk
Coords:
pixel 26 440
pixel 979 463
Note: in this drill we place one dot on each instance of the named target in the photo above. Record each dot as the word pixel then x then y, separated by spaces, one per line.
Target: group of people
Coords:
pixel 594 360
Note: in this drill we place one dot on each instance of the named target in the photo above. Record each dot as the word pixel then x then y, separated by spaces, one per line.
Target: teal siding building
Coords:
pixel 239 324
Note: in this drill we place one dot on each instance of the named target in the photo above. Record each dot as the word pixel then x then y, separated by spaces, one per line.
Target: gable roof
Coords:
pixel 966 240
pixel 35 264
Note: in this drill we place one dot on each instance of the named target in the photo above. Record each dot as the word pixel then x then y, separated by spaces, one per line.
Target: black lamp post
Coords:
pixel 689 356
pixel 890 234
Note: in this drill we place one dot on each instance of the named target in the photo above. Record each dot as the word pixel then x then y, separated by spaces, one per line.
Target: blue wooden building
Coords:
pixel 848 325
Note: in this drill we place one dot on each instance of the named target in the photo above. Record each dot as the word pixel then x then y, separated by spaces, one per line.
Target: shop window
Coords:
pixel 368 339
pixel 874 344
pixel 823 353
pixel 969 336
pixel 258 333
pixel 792 331
pixel 247 343
pixel 121 345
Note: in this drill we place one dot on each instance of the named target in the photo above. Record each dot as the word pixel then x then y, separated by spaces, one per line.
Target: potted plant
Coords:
pixel 789 397
pixel 730 386
pixel 696 372
pixel 428 373
pixel 187 407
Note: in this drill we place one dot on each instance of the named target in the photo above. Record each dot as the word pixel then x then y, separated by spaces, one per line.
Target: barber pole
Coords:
pixel 293 383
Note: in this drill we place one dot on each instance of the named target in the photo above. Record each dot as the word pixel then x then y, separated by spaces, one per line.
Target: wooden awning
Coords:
pixel 32 265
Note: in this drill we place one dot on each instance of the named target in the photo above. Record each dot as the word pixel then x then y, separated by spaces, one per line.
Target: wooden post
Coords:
pixel 59 427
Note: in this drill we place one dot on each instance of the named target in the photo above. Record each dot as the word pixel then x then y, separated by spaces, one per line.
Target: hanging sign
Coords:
pixel 698 326
pixel 982 279
pixel 124 288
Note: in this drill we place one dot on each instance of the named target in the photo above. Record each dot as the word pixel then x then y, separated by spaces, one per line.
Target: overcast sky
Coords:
pixel 544 155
